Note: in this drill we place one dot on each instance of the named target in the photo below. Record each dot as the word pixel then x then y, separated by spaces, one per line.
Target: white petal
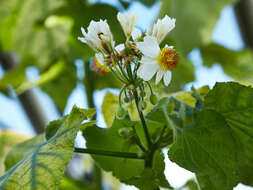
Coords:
pixel 100 58
pixel 82 39
pixel 149 47
pixel 167 78
pixel 147 71
pixel 162 27
pixel 159 76
pixel 136 33
pixel 148 60
pixel 167 46
pixel 83 31
pixel 120 47
pixel 127 21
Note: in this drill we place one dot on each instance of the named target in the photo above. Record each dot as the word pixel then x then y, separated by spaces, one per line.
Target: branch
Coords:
pixel 244 14
pixel 109 153
pixel 27 99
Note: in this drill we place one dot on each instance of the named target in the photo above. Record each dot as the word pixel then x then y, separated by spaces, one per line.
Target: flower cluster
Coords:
pixel 140 50
pixel 140 58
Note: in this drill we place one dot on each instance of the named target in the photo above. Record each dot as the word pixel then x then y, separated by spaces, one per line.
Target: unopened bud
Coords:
pixel 143 105
pixel 125 132
pixel 153 99
pixel 121 113
pixel 126 100
pixel 143 94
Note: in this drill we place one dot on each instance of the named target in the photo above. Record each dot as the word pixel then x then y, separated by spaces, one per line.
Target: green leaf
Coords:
pixel 216 143
pixel 7 140
pixel 13 77
pixel 41 162
pixel 109 107
pixel 53 72
pixel 190 185
pixel 109 139
pixel 187 98
pixel 207 148
pixel 195 21
pixel 234 103
pixel 152 178
pixel 62 86
pixel 129 171
pixel 29 29
pixel 237 64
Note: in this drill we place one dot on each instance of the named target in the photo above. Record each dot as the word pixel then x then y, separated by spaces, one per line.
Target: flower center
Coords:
pixel 98 67
pixel 168 58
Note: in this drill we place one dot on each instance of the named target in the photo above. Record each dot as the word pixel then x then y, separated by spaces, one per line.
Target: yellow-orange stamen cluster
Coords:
pixel 168 58
pixel 98 67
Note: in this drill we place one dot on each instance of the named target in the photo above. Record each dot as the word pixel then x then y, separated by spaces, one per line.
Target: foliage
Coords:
pixel 208 132
pixel 7 140
pixel 29 163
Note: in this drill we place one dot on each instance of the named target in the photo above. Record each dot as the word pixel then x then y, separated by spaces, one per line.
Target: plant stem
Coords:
pixel 108 153
pixel 144 125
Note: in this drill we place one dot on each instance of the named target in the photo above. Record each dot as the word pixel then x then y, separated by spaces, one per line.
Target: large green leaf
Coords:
pixel 7 140
pixel 237 64
pixel 195 20
pixel 40 162
pixel 129 171
pixel 109 139
pixel 207 148
pixel 215 144
pixel 234 102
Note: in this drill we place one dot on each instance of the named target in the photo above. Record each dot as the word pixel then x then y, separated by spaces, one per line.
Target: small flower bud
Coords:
pixel 153 99
pixel 125 132
pixel 126 100
pixel 143 94
pixel 143 105
pixel 121 113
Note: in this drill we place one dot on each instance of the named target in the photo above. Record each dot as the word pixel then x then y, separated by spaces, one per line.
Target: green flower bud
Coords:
pixel 153 99
pixel 143 93
pixel 126 100
pixel 125 132
pixel 143 105
pixel 121 113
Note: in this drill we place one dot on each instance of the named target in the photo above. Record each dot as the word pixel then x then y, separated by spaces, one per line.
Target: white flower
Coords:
pixel 136 34
pixel 120 47
pixel 127 22
pixel 156 61
pixel 98 36
pixel 162 27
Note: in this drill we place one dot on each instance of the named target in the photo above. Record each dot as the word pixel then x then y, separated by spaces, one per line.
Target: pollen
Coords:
pixel 168 58
pixel 98 67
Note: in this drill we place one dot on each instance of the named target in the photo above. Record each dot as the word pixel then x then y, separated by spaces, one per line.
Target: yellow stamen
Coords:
pixel 168 58
pixel 98 67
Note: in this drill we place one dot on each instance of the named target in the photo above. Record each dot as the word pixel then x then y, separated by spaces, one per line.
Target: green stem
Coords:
pixel 144 125
pixel 120 94
pixel 138 141
pixel 151 91
pixel 117 77
pixel 109 153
